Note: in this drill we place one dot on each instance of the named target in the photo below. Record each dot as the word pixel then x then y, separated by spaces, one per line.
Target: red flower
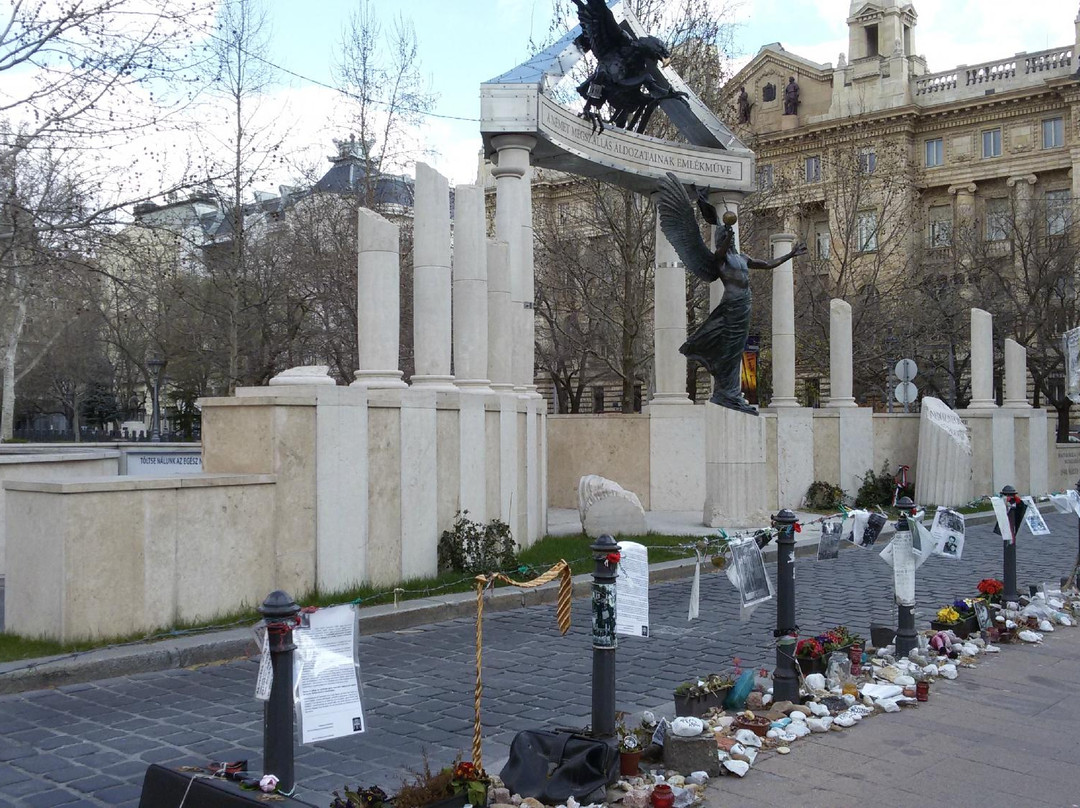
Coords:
pixel 798 528
pixel 991 586
pixel 613 558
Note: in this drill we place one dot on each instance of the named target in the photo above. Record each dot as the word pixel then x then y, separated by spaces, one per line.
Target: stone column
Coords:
pixel 513 224
pixel 378 301
pixel 982 360
pixel 669 323
pixel 431 279
pixel 1022 188
pixel 470 301
pixel 1015 376
pixel 500 329
pixel 840 355
pixel 723 202
pixel 783 323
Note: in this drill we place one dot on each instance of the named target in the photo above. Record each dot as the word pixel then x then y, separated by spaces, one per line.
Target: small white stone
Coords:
pixel 991 649
pixel 948 671
pixel 819 724
pixel 816 681
pixel 687 726
pixel 904 681
pixel 817 709
pixel 798 730
pixel 888 705
pixel 783 750
pixel 844 720
pixel 766 700
pixel 848 699
pixel 698 778
pixel 795 715
pixel 747 738
pixel 1044 625
pixel 1028 635
pixel 787 737
pixel 737 767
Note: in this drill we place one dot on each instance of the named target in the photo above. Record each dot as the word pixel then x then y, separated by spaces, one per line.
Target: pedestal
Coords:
pixel 735 469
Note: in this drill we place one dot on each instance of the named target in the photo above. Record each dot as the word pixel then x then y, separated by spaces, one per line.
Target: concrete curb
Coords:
pixel 222 646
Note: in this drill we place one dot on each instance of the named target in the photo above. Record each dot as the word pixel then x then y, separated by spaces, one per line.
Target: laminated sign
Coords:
pixel 632 590
pixel 1071 341
pixel 327 675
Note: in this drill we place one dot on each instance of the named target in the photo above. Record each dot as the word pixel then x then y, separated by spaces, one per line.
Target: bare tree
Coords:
pixel 380 71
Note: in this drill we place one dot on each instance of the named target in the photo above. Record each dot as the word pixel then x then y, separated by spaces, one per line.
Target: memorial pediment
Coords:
pixel 524 101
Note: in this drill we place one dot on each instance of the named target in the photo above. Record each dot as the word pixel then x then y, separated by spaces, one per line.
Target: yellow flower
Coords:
pixel 948 615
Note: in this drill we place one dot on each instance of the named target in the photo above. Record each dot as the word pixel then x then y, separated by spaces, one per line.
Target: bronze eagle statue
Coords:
pixel 719 342
pixel 624 77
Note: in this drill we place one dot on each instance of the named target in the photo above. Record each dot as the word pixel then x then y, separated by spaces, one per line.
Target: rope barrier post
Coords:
pixel 1008 493
pixel 279 613
pixel 605 555
pixel 907 639
pixel 785 677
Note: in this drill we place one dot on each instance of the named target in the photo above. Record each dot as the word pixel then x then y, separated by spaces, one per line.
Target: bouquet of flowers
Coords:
pixel 948 615
pixel 991 589
pixel 809 648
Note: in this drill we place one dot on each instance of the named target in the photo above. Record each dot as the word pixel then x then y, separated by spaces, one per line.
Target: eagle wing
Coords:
pixel 677 220
pixel 598 24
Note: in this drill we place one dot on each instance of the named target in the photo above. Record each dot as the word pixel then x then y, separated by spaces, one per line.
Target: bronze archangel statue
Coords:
pixel 719 342
pixel 624 77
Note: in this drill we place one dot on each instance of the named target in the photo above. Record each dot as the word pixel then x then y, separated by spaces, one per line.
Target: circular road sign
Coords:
pixel 906 392
pixel 906 370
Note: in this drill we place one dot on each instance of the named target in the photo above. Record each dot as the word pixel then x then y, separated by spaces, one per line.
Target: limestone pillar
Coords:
pixel 840 355
pixel 783 323
pixel 513 224
pixel 669 323
pixel 378 301
pixel 1015 376
pixel 470 297
pixel 723 202
pixel 431 279
pixel 965 204
pixel 982 360
pixel 500 328
pixel 736 470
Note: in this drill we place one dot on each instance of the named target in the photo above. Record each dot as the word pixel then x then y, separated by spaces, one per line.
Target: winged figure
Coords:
pixel 719 342
pixel 622 79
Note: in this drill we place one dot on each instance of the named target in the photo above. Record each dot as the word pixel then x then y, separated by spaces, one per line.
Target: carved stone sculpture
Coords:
pixel 606 507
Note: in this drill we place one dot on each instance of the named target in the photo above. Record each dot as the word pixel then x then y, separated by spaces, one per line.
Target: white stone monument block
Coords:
pixel 943 467
pixel 606 507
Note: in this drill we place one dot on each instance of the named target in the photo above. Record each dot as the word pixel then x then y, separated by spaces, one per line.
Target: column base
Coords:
pixel 1016 405
pixel 433 382
pixel 473 385
pixel 379 378
pixel 833 403
pixel 670 398
pixel 982 404
pixel 779 403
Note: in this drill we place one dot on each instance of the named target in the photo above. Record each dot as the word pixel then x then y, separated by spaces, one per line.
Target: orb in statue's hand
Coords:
pixel 730 218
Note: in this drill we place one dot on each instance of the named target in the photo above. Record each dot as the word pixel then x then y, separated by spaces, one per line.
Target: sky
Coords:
pixel 466 42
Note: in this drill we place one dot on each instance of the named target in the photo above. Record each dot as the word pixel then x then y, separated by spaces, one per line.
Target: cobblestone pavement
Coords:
pixel 89 744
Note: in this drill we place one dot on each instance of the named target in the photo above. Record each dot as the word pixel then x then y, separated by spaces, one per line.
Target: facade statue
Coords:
pixel 791 97
pixel 743 106
pixel 625 77
pixel 719 342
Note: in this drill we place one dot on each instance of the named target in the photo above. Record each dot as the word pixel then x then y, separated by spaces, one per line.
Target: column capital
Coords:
pixel 1030 179
pixel 498 171
pixel 501 142
pixel 782 238
pixel 964 187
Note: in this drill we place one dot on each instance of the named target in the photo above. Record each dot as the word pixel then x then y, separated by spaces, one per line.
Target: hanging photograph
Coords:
pixel 1033 519
pixel 948 530
pixel 1003 528
pixel 753 579
pixel 1071 341
pixel 829 544
pixel 874 523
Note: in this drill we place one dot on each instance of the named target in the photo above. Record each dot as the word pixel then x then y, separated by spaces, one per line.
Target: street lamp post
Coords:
pixel 156 365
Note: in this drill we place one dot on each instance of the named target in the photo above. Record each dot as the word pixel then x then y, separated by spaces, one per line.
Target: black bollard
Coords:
pixel 785 677
pixel 906 636
pixel 279 612
pixel 1008 493
pixel 604 642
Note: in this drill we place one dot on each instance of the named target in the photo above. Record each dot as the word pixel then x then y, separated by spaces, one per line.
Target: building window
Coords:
pixel 867 161
pixel 813 169
pixel 991 146
pixel 997 219
pixel 823 243
pixel 866 226
pixel 765 178
pixel 935 153
pixel 940 226
pixel 1057 212
pixel 1053 133
pixel 598 398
